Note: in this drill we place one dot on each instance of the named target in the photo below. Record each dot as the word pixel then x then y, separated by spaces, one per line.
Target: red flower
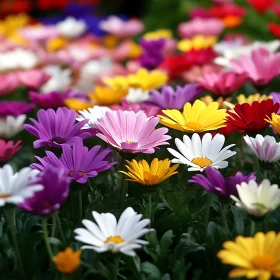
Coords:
pixel 8 149
pixel 222 11
pixel 176 65
pixel 274 29
pixel 261 5
pixel 251 118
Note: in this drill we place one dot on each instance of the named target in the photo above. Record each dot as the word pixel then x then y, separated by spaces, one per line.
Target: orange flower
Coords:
pixel 232 21
pixel 67 261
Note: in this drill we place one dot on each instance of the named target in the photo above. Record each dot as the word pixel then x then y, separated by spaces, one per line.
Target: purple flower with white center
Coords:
pixel 175 99
pixel 152 53
pixel 52 99
pixel 265 148
pixel 55 192
pixel 78 162
pixel 217 184
pixel 15 108
pixel 56 128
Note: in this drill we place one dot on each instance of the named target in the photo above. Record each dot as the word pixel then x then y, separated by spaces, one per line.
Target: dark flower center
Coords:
pixel 58 140
pixel 74 173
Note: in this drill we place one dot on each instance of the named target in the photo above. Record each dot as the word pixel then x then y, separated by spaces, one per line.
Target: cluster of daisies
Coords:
pixel 82 99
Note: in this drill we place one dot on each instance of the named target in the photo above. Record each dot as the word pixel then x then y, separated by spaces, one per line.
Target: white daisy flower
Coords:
pixel 265 148
pixel 198 154
pixel 71 28
pixel 60 79
pixel 232 52
pixel 18 59
pixel 10 125
pixel 109 235
pixel 15 187
pixel 92 115
pixel 137 95
pixel 257 200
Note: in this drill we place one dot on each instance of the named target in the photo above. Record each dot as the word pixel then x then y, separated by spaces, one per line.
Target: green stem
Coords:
pixel 53 226
pixel 45 234
pixel 150 212
pixel 224 209
pixel 124 188
pixel 80 197
pixel 10 213
pixel 116 266
pixel 265 174
pixel 252 227
pixel 59 227
pixel 207 209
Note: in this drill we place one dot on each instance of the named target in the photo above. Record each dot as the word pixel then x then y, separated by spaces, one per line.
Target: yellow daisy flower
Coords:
pixel 107 95
pixel 196 43
pixel 195 118
pixel 67 261
pixel 275 122
pixel 241 98
pixel 77 105
pixel 56 44
pixel 143 79
pixel 144 174
pixel 256 256
pixel 160 33
pixel 209 99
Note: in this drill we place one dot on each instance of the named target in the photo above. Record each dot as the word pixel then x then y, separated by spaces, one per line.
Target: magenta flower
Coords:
pixel 120 28
pixel 52 99
pixel 8 149
pixel 8 83
pixel 78 162
pixel 132 132
pixel 149 109
pixel 260 67
pixel 216 183
pixel 33 78
pixel 222 84
pixel 56 128
pixel 175 99
pixel 15 108
pixel 55 192
pixel 201 26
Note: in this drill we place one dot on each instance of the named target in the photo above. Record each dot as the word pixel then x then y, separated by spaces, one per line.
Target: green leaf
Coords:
pixel 151 270
pixel 166 240
pixel 238 215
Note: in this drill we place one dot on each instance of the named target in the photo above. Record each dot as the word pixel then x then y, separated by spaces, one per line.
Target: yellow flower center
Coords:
pixel 5 195
pixel 193 125
pixel 263 262
pixel 202 161
pixel 116 239
pixel 128 142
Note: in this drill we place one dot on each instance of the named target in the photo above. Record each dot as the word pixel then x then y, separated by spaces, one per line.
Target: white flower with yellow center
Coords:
pixel 10 125
pixel 16 187
pixel 92 115
pixel 109 235
pixel 200 153
pixel 256 199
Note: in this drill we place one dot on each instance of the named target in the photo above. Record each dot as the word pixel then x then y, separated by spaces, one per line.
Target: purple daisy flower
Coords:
pixel 55 192
pixel 52 99
pixel 15 108
pixel 175 99
pixel 216 183
pixel 78 162
pixel 152 53
pixel 56 128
